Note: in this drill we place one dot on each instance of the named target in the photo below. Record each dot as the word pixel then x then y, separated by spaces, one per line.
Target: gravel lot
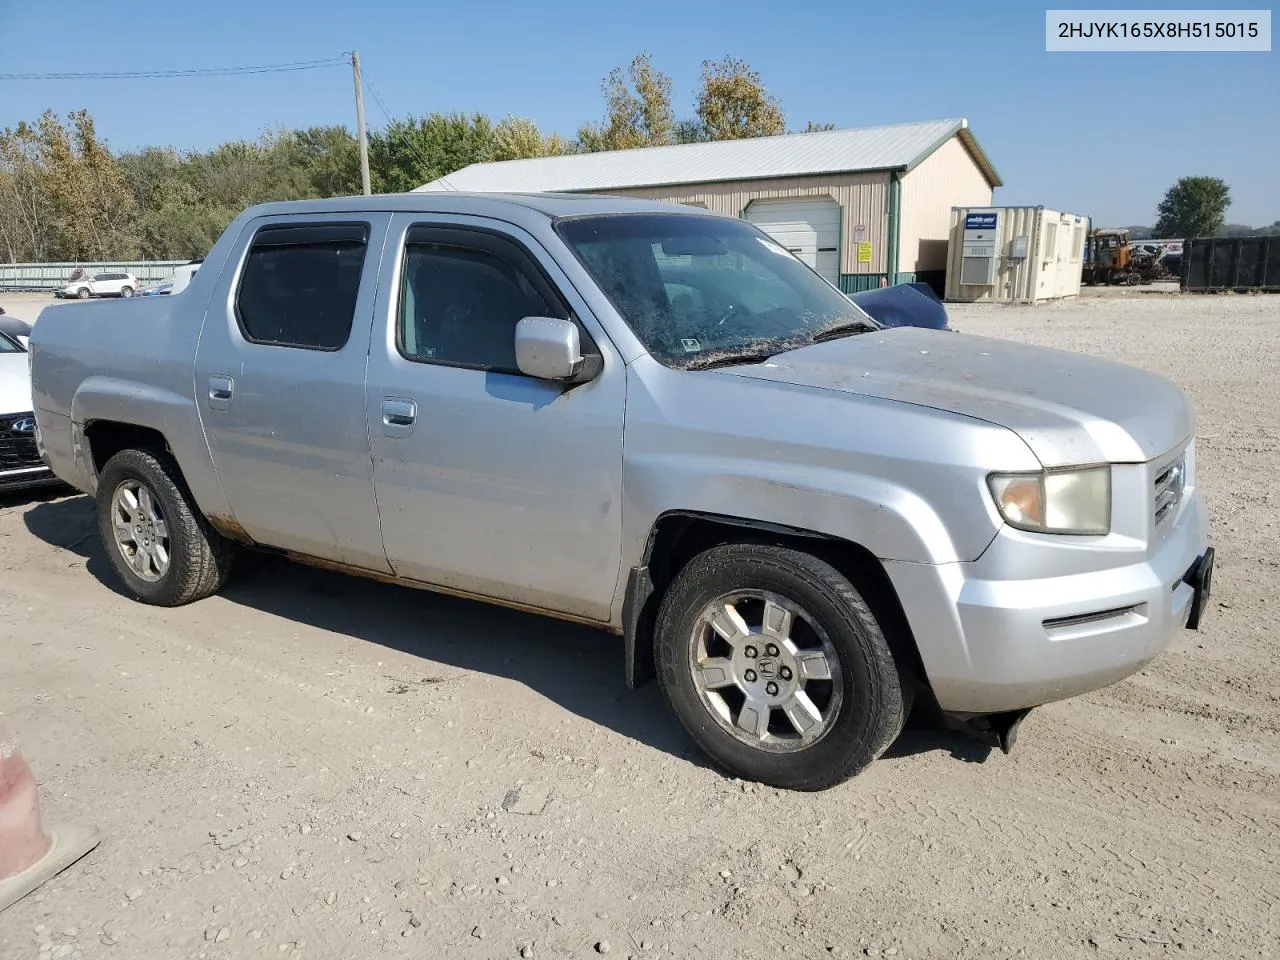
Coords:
pixel 319 766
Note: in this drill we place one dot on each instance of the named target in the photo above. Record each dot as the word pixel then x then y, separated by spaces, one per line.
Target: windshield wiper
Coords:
pixel 843 330
pixel 729 359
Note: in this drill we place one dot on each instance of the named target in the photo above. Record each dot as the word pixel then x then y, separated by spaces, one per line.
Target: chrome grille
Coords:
pixel 18 442
pixel 1167 491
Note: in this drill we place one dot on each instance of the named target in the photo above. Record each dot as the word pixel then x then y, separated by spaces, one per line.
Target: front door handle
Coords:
pixel 398 415
pixel 221 390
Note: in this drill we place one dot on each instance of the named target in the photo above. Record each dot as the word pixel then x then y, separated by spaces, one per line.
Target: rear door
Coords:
pixel 279 375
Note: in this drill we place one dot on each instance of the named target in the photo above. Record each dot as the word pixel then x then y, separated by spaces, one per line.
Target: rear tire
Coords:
pixel 795 684
pixel 160 545
pixel 126 292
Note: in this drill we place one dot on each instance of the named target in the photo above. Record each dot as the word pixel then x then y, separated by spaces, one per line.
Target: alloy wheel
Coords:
pixel 765 670
pixel 141 533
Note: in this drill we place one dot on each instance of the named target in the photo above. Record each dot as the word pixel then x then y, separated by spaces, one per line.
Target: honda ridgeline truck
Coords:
pixel 651 419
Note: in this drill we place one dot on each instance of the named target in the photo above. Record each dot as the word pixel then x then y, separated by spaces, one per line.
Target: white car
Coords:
pixel 21 465
pixel 100 285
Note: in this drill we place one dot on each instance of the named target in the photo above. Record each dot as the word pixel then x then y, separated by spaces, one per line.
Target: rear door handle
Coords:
pixel 398 416
pixel 221 390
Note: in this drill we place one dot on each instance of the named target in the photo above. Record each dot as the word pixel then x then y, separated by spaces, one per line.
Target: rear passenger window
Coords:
pixel 459 305
pixel 300 283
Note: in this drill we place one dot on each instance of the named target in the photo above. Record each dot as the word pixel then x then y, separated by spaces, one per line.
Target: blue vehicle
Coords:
pixel 13 326
pixel 904 305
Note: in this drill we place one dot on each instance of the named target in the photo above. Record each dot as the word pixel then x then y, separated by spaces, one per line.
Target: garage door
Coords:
pixel 808 228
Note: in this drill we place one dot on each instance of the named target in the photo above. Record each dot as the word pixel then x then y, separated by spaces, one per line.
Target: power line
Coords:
pixel 373 92
pixel 413 147
pixel 203 72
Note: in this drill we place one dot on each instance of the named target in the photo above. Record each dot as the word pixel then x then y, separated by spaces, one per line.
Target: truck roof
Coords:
pixel 549 204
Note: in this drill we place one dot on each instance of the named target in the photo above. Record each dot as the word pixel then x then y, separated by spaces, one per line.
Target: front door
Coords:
pixel 280 379
pixel 488 481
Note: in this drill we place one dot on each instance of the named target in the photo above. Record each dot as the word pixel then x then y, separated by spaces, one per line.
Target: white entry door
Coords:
pixel 808 228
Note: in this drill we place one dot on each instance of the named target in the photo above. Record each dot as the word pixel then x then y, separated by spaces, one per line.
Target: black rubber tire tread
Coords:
pixel 876 691
pixel 200 558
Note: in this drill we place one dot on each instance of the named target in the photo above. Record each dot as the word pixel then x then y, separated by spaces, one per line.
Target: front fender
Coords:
pixel 171 414
pixel 884 518
pixel 890 521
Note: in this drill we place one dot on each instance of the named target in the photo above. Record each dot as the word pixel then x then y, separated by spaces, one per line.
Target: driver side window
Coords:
pixel 459 305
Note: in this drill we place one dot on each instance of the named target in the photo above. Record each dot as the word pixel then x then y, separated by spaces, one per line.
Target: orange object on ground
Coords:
pixel 30 853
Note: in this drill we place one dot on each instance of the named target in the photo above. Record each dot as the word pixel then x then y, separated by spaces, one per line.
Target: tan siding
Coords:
pixel 863 199
pixel 947 178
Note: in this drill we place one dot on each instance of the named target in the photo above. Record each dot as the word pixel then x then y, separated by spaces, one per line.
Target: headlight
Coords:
pixel 1055 501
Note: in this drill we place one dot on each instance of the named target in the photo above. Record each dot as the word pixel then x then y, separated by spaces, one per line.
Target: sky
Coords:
pixel 1100 134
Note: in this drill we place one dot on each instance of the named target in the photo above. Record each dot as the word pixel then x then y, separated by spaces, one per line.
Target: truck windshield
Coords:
pixel 701 291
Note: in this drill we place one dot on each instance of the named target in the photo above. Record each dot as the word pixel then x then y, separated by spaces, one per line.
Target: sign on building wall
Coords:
pixel 864 252
pixel 860 233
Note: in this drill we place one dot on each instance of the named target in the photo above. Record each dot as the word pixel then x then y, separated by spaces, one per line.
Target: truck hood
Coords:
pixel 1069 408
pixel 15 384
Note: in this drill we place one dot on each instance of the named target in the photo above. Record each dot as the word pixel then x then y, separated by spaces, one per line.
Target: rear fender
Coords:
pixel 170 414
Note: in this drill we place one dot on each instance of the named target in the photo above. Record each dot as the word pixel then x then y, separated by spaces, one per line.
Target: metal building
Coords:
pixel 861 206
pixel 1014 254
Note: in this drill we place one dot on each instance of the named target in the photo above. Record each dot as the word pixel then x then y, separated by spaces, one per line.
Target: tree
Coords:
pixel 1193 207
pixel 63 179
pixel 1244 230
pixel 690 131
pixel 637 109
pixel 411 152
pixel 554 145
pixel 515 138
pixel 26 205
pixel 814 127
pixel 65 195
pixel 733 103
pixel 331 158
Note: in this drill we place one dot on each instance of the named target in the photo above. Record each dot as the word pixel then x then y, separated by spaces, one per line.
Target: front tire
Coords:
pixel 83 293
pixel 776 666
pixel 161 547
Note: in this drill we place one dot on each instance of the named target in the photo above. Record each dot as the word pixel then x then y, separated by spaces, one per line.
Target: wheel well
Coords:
pixel 108 437
pixel 678 537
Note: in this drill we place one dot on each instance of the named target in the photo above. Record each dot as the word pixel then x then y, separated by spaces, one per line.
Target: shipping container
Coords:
pixel 1014 254
pixel 1231 263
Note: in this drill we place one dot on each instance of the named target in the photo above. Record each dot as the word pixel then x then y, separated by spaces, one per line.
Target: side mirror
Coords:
pixel 549 348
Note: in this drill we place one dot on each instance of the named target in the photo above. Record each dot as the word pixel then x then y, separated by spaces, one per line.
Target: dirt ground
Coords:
pixel 312 765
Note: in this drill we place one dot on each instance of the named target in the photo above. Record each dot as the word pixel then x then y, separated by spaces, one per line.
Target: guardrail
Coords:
pixel 53 276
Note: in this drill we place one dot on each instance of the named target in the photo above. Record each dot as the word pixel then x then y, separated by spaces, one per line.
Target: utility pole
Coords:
pixel 360 129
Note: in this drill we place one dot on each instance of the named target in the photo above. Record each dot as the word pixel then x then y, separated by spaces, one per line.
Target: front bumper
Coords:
pixel 993 642
pixel 26 478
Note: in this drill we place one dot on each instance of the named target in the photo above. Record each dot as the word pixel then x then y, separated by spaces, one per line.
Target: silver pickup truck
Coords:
pixel 651 419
